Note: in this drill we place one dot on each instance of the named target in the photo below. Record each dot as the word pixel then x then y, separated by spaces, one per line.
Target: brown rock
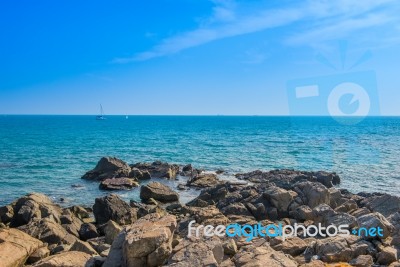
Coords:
pixel 111 230
pixel 16 247
pixel 159 192
pixel 65 259
pixel 38 255
pixel 203 180
pixel 108 167
pixel 118 184
pixel 159 169
pixel 112 207
pixel 293 246
pixel 362 261
pixel 387 255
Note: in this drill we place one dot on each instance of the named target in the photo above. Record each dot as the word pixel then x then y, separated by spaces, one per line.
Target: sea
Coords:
pixel 50 153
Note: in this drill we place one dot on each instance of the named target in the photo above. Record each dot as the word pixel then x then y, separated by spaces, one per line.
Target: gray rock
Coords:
pixel 112 207
pixel 108 167
pixel 158 191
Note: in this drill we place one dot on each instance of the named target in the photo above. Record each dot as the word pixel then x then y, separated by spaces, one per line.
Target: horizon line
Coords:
pixel 198 115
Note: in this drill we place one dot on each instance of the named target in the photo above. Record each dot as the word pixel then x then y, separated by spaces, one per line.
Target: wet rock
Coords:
pixel 6 214
pixel 112 207
pixel 118 184
pixel 203 180
pixel 362 261
pixel 148 242
pixel 88 231
pixel 139 175
pixel 16 247
pixel 65 259
pixel 158 191
pixel 158 169
pixel 108 167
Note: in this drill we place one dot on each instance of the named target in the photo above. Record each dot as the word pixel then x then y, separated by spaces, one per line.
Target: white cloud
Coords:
pixel 327 19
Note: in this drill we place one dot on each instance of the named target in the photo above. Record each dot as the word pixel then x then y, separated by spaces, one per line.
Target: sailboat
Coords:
pixel 101 116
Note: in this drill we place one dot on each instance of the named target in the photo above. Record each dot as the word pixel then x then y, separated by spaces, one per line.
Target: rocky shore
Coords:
pixel 36 232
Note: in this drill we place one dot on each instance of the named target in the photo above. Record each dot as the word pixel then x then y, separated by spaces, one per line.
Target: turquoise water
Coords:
pixel 50 153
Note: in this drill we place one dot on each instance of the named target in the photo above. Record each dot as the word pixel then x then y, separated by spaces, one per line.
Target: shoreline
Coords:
pixel 154 231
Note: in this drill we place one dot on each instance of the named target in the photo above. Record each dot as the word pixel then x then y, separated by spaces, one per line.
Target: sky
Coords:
pixel 192 57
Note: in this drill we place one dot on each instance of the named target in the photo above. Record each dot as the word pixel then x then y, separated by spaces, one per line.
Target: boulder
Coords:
pixel 88 231
pixel 387 255
pixel 333 249
pixel 65 259
pixel 139 175
pixel 362 261
pixel 6 214
pixel 260 256
pixel 112 207
pixel 301 213
pixel 34 206
pixel 38 255
pixel 158 191
pixel 198 252
pixel 118 184
pixel 280 198
pixel 16 247
pixel 83 246
pixel 70 222
pixel 115 256
pixel 312 194
pixel 158 169
pixel 203 180
pixel 148 242
pixel 108 167
pixel 48 231
pixel 111 230
pixel 327 178
pixel 293 246
pixel 385 204
pixel 374 220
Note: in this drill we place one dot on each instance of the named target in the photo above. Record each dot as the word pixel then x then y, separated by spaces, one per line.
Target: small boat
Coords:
pixel 101 116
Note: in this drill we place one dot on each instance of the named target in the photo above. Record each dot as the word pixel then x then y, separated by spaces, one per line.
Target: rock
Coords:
pixel 115 256
pixel 362 261
pixel 374 220
pixel 70 222
pixel 79 212
pixel 236 209
pixel 6 214
pixel 111 230
pixel 387 255
pixel 65 259
pixel 203 180
pixel 38 255
pixel 197 252
pixel 253 256
pixel 48 231
pixel 83 246
pixel 326 178
pixel 159 169
pixel 34 206
pixel 312 194
pixel 16 247
pixel 230 247
pixel 280 198
pixel 383 203
pixel 108 167
pixel 118 184
pixel 139 175
pixel 301 213
pixel 333 249
pixel 112 207
pixel 159 192
pixel 293 246
pixel 340 218
pixel 148 242
pixel 88 231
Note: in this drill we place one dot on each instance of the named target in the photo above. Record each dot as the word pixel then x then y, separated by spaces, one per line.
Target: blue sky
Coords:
pixel 188 56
